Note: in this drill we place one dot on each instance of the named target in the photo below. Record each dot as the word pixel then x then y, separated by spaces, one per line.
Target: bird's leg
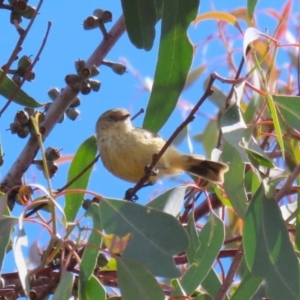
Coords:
pixel 129 196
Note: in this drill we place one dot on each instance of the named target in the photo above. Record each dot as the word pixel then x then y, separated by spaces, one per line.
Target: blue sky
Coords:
pixel 66 43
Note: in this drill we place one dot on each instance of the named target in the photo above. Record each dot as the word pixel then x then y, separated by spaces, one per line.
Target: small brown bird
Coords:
pixel 125 151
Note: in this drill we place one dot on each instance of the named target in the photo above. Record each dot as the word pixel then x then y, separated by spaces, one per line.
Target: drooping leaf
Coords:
pixel 235 189
pixel 94 290
pixel 174 61
pixel 84 155
pixel 140 19
pixel 8 87
pixel 222 16
pixel 212 284
pixel 211 239
pixel 251 7
pixel 268 249
pixel 64 289
pixel 247 287
pixel 136 282
pixel 151 243
pixel 289 107
pixel 6 227
pixel 91 251
pixel 170 202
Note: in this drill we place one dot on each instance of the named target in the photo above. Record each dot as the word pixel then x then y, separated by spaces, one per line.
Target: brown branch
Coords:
pixel 150 169
pixel 229 278
pixel 57 108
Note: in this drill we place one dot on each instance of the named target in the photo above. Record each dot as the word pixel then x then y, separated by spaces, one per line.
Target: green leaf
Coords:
pixel 289 107
pixel 212 284
pixel 268 249
pixel 170 202
pixel 211 239
pixel 193 76
pixel 140 19
pixel 234 180
pixel 274 116
pixel 6 227
pixel 136 282
pixel 94 290
pixel 64 289
pixel 152 243
pixel 174 61
pixel 247 287
pixel 208 137
pixel 8 87
pixel 84 155
pixel 250 7
pixel 194 239
pixel 91 251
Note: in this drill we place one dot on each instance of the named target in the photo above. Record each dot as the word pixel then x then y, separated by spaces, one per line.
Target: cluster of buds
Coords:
pixel 72 113
pixel 23 64
pixel 19 9
pixel 51 154
pixel 98 18
pixel 81 81
pixel 22 124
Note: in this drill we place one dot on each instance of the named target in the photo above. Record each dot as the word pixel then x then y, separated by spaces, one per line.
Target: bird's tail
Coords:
pixel 212 171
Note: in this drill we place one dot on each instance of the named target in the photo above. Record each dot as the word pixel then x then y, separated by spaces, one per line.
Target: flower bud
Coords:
pixel 14 127
pixel 85 88
pixel 72 79
pixel 19 6
pixel 79 64
pixel 53 93
pixel 118 68
pixel 72 113
pixel 30 110
pixel 85 73
pixel 15 17
pixel 91 22
pixel 23 132
pixel 52 169
pixel 29 76
pixel 95 85
pixel 23 63
pixel 52 154
pixel 103 15
pixel 22 117
pixel 75 102
pixel 29 12
pixel 94 71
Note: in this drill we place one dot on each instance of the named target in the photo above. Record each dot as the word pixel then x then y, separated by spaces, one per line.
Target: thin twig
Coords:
pixel 16 91
pixel 19 44
pixel 229 278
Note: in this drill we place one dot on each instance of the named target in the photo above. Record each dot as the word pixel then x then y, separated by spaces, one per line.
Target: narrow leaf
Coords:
pixel 251 7
pixel 268 249
pixel 84 155
pixel 140 19
pixel 64 289
pixel 174 61
pixel 222 16
pixel 211 239
pixel 91 251
pixel 7 89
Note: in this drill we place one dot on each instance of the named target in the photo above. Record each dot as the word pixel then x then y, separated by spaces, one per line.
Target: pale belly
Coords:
pixel 126 158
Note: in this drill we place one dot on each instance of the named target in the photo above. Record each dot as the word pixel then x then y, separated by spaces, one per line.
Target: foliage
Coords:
pixel 237 240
